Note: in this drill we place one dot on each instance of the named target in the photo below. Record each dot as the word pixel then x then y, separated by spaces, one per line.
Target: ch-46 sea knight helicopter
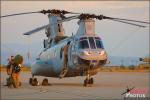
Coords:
pixel 81 54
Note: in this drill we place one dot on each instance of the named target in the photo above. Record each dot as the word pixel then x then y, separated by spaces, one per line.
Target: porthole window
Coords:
pixel 61 53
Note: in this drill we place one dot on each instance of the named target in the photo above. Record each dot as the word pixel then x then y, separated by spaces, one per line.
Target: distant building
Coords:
pixel 145 63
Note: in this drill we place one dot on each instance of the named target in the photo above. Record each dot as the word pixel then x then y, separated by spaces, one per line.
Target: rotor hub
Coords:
pixel 54 11
pixel 89 16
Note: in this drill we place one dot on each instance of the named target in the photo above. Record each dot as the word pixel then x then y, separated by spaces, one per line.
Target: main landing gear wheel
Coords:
pixel 33 82
pixel 88 82
pixel 45 82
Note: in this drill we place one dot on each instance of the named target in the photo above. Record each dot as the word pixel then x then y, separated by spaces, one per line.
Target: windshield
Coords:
pixel 92 43
pixel 99 44
pixel 83 44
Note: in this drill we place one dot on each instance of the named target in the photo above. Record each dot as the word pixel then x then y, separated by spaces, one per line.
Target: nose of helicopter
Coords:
pixel 92 57
pixel 93 54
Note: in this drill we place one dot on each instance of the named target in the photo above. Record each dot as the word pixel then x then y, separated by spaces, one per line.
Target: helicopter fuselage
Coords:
pixel 85 53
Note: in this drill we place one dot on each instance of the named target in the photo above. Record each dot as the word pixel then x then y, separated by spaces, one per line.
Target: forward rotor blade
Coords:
pixel 36 30
pixel 126 20
pixel 19 14
pixel 128 23
pixel 68 18
pixel 42 11
pixel 73 13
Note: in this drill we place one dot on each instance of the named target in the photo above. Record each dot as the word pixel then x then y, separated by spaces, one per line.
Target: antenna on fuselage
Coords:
pixel 28 50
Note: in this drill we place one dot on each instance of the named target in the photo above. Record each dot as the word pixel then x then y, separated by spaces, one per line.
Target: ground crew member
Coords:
pixel 16 68
pixel 18 61
pixel 10 60
pixel 9 66
pixel 9 71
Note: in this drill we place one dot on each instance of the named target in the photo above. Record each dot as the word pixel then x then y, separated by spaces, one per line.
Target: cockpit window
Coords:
pixel 99 44
pixel 92 43
pixel 83 44
pixel 82 38
pixel 97 38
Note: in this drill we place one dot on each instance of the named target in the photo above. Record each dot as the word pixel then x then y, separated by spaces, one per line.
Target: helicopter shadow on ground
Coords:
pixel 81 85
pixel 68 84
pixel 61 84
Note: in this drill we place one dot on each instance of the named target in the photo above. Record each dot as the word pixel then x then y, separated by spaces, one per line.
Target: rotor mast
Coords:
pixel 86 27
pixel 55 28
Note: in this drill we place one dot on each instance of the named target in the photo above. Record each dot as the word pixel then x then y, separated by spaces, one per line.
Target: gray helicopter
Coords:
pixel 81 54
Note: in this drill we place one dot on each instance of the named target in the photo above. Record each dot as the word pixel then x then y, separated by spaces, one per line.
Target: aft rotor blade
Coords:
pixel 127 20
pixel 132 20
pixel 19 14
pixel 36 30
pixel 128 23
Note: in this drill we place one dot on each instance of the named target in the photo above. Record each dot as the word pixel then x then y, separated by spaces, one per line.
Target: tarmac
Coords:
pixel 107 86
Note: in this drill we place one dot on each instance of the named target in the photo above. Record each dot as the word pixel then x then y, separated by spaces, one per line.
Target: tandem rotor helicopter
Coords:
pixel 81 54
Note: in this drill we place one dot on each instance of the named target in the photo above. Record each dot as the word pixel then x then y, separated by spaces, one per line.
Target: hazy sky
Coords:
pixel 119 39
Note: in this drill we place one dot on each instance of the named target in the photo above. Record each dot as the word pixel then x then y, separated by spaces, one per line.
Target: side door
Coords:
pixel 74 52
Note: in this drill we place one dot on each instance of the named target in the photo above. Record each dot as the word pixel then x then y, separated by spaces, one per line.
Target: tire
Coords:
pixel 91 81
pixel 45 82
pixel 34 82
pixel 85 82
pixel 30 81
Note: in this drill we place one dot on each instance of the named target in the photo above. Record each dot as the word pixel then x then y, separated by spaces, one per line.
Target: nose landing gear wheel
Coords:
pixel 85 82
pixel 88 82
pixel 91 81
